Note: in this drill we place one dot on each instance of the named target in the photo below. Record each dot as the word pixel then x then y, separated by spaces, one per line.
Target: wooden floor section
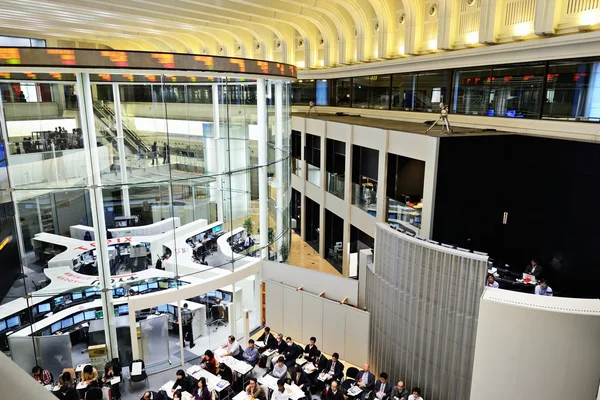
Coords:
pixel 302 255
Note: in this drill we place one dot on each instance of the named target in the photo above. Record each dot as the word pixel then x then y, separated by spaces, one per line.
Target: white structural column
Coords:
pixel 304 174
pixel 279 159
pixel 263 195
pixel 382 181
pixel 323 179
pixel 97 206
pixel 4 129
pixel 218 198
pixel 348 199
pixel 121 150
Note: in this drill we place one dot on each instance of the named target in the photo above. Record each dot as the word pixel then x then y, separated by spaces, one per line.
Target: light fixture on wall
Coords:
pixel 300 64
pixel 472 38
pixel 432 44
pixel 589 18
pixel 522 30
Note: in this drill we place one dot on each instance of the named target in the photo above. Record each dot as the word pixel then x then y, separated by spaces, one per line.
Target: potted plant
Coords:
pixel 284 252
pixel 248 226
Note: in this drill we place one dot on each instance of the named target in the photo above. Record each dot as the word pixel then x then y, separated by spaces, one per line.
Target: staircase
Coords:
pixel 106 115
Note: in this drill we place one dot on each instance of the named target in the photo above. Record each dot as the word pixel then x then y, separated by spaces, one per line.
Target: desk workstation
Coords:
pixel 166 225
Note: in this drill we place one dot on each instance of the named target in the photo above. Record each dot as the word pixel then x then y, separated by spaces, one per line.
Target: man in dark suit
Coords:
pixel 280 346
pixel 365 380
pixel 319 362
pixel 334 369
pixel 334 393
pixel 151 395
pixel 291 352
pixel 383 388
pixel 301 380
pixel 534 269
pixel 399 391
pixel 268 339
pixel 310 349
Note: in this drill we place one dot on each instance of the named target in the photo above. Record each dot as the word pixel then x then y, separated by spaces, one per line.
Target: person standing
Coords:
pixel 186 319
pixel 154 153
pixel 165 153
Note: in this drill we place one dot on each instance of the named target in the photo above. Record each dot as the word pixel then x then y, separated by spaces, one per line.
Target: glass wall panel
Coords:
pixel 573 91
pixel 371 92
pixel 342 92
pixel 303 92
pixel 513 92
pixel 124 185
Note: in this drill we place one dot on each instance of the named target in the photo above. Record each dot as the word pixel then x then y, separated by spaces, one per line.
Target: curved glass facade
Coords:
pixel 121 185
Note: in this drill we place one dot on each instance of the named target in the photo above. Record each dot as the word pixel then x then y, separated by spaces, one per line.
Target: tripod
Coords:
pixel 312 107
pixel 446 128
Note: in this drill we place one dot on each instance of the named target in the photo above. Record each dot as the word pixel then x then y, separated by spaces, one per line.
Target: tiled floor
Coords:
pixel 302 255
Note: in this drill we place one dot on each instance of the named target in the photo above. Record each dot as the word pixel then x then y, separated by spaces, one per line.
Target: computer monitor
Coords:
pixel 211 294
pixel 47 332
pixel 120 291
pixel 78 318
pixel 219 295
pixel 227 297
pixel 44 307
pixel 134 288
pixel 2 325
pixel 153 285
pixel 172 284
pixel 89 315
pixel 99 314
pixel 66 323
pixel 143 287
pixel 75 262
pixel 217 228
pixel 55 327
pixel 13 321
pixel 90 292
pixel 162 284
pixel 76 296
pixel 171 309
pixel 59 300
pixel 162 308
pixel 124 309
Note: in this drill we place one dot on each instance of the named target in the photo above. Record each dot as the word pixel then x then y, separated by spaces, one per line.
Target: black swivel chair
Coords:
pixel 351 374
pixel 94 393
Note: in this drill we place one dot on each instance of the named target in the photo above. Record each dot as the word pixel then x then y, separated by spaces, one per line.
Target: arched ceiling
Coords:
pixel 308 33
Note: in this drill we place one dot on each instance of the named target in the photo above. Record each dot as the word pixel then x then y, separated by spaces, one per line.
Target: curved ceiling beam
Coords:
pixel 413 27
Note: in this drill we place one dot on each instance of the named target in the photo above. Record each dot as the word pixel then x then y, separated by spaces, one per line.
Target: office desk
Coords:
pixel 213 382
pixel 293 391
pixel 241 367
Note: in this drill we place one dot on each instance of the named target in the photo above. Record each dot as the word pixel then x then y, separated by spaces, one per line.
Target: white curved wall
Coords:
pixel 536 347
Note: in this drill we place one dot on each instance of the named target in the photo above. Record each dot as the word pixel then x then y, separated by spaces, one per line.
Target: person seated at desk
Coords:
pixel 185 382
pixel 280 393
pixel 177 395
pixel 279 369
pixel 319 362
pixel 250 354
pixel 209 363
pixel 334 369
pixel 109 373
pixel 399 391
pixel 43 376
pixel 225 373
pixel 334 393
pixel 365 380
pixel 220 308
pixel 491 282
pixel 254 390
pixel 67 389
pixel 201 391
pixel 383 389
pixel 279 347
pixel 300 379
pixel 151 395
pixel 291 352
pixel 267 338
pixel 416 394
pixel 90 374
pixel 87 236
pixel 534 269
pixel 233 348
pixel 543 289
pixel 310 349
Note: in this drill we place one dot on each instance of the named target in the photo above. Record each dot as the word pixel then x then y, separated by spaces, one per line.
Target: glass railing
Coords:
pixel 313 174
pixel 405 216
pixel 335 184
pixel 365 197
pixel 296 166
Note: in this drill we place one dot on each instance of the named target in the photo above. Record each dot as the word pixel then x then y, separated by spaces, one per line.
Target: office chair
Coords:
pixel 94 393
pixel 142 375
pixel 218 319
pixel 351 374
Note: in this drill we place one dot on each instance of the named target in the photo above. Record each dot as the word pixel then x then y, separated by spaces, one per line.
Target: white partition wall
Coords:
pixel 547 347
pixel 339 328
pixel 424 299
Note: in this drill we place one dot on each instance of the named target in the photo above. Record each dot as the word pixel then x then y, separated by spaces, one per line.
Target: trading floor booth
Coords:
pixel 146 184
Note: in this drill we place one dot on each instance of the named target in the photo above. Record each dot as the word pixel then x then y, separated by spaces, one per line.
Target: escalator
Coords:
pixel 106 116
